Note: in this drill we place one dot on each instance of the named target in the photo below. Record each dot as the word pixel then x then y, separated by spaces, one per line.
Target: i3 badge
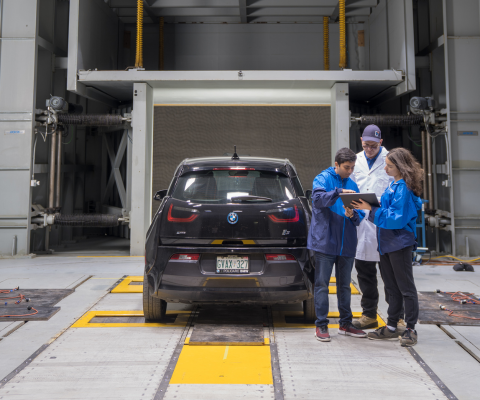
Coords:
pixel 232 218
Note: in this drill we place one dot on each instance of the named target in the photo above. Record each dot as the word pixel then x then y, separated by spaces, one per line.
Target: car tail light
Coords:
pixel 234 169
pixel 277 220
pixel 279 257
pixel 193 217
pixel 186 257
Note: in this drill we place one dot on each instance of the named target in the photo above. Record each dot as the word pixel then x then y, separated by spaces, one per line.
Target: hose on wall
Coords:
pixel 326 50
pixel 139 54
pixel 91 119
pixel 343 44
pixel 87 220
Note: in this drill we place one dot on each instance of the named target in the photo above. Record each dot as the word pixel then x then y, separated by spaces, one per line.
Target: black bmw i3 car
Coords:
pixel 230 230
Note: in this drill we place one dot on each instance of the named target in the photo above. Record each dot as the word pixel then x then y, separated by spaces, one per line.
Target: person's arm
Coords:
pixel 396 215
pixel 320 197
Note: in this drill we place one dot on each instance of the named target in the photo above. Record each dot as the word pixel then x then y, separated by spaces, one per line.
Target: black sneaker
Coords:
pixel 383 333
pixel 409 338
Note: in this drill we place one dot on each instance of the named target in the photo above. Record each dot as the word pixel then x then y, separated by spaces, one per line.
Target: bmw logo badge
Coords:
pixel 232 218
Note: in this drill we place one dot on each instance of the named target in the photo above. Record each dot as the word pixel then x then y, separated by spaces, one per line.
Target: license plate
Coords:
pixel 232 265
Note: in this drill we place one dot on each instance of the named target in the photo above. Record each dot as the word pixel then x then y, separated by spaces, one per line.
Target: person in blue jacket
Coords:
pixel 396 236
pixel 333 238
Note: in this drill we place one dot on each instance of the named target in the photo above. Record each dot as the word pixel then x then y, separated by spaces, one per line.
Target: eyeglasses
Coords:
pixel 366 146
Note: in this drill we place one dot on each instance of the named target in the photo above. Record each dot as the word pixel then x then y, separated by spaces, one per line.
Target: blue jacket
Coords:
pixel 396 219
pixel 331 232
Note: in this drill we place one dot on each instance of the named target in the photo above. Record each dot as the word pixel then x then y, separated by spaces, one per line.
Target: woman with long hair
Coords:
pixel 396 220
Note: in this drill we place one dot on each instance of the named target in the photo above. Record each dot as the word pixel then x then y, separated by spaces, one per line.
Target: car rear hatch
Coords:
pixel 218 208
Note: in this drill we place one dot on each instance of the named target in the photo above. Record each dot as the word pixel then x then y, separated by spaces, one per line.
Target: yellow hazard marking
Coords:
pixel 280 322
pixel 84 321
pixel 224 365
pixel 333 289
pixel 125 287
pixel 110 256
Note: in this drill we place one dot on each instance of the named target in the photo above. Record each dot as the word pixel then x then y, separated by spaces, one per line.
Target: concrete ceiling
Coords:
pixel 239 11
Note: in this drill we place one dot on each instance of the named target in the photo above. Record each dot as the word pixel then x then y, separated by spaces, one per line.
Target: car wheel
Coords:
pixel 154 309
pixel 309 310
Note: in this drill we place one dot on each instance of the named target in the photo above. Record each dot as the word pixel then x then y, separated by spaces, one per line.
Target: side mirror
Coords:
pixel 308 194
pixel 160 194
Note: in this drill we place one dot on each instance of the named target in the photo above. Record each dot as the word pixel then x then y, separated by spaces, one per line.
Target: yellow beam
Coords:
pixel 125 287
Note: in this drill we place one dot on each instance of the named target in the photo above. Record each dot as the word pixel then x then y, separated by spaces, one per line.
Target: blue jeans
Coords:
pixel 343 272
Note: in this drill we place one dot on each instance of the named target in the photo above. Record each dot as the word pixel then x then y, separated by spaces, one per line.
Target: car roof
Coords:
pixel 243 160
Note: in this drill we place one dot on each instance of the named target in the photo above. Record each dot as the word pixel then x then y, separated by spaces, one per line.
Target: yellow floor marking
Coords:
pixel 333 289
pixel 84 321
pixel 110 256
pixel 125 287
pixel 279 319
pixel 219 365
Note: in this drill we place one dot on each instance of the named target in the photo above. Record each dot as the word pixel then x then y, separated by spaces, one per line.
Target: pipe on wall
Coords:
pixel 53 155
pixel 326 50
pixel 424 167
pixel 59 169
pixel 343 43
pixel 139 50
pixel 429 171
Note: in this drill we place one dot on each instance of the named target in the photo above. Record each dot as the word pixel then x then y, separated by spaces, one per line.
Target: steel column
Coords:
pixel 340 120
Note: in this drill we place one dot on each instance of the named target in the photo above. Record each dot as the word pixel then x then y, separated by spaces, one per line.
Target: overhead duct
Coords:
pixel 79 220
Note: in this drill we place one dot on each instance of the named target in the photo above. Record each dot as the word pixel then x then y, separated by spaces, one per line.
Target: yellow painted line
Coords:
pixel 333 289
pixel 224 365
pixel 110 256
pixel 125 287
pixel 333 280
pixel 279 319
pixel 84 321
pixel 187 340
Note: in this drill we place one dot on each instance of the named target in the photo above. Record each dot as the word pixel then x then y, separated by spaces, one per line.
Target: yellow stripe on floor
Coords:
pixel 125 287
pixel 333 289
pixel 223 365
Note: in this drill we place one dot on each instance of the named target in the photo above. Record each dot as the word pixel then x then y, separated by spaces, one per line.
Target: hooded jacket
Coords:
pixel 331 232
pixel 396 219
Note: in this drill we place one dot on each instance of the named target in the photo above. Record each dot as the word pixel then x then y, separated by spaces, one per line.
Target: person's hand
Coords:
pixel 361 205
pixel 348 212
pixel 348 191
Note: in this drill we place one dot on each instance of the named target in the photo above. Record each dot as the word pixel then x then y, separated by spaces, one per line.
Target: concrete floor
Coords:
pixel 104 363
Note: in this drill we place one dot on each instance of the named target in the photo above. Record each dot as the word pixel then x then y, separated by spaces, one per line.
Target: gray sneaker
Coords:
pixel 365 322
pixel 409 338
pixel 383 333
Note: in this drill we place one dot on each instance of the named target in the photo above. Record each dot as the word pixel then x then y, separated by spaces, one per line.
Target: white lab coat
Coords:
pixel 369 180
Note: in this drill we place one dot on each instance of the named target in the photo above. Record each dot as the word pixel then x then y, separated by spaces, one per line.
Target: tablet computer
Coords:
pixel 370 198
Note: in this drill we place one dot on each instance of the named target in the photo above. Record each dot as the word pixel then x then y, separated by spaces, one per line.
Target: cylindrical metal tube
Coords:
pixel 429 171
pixel 90 119
pixel 424 165
pixel 59 168
pixel 161 42
pixel 53 156
pixel 14 246
pixel 326 50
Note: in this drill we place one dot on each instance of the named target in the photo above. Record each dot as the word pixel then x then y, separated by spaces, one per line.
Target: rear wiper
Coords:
pixel 247 198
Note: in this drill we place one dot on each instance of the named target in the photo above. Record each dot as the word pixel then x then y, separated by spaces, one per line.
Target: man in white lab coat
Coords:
pixel 370 176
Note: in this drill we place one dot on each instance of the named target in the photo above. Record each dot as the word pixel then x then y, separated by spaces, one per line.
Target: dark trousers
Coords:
pixel 397 274
pixel 367 280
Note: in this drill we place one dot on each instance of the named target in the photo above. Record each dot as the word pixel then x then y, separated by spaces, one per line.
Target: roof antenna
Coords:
pixel 235 155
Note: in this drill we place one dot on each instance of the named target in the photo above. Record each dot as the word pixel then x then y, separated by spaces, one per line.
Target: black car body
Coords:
pixel 223 214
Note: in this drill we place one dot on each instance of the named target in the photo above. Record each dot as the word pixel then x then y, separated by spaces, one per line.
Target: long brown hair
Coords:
pixel 409 167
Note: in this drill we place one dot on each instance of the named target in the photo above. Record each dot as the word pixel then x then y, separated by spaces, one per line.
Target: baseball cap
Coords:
pixel 372 133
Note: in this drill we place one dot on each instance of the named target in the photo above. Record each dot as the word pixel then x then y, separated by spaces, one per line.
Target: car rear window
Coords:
pixel 220 186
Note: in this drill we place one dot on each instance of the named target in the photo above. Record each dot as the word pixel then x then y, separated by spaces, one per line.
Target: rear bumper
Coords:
pixel 195 281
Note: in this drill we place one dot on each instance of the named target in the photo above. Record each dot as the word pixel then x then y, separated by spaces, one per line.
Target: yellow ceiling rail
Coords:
pixel 343 45
pixel 326 50
pixel 139 54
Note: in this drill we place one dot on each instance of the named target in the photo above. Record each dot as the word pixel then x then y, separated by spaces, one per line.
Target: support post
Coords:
pixel 142 150
pixel 340 118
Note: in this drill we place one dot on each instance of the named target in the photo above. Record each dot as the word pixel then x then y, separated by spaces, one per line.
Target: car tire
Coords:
pixel 154 309
pixel 309 310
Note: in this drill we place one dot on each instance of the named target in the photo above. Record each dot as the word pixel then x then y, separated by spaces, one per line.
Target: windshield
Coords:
pixel 219 187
